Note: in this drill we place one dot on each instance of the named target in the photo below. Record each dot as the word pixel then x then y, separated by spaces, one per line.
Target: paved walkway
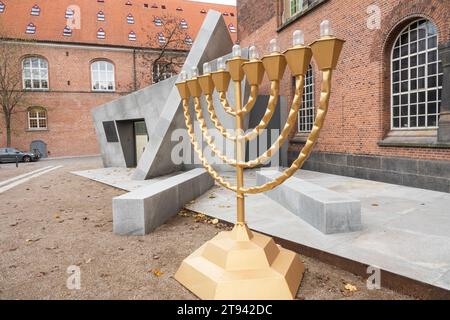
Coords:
pixel 405 230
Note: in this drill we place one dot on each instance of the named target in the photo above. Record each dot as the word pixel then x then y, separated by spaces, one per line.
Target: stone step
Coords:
pixel 324 209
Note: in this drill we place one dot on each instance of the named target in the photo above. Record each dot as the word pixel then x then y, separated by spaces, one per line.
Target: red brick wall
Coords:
pixel 359 111
pixel 70 127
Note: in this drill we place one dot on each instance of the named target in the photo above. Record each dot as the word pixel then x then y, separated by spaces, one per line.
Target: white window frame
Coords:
pixel 306 114
pixel 39 73
pixel 38 117
pixel 409 92
pixel 130 19
pixel 35 10
pixel 100 16
pixel 295 6
pixel 103 76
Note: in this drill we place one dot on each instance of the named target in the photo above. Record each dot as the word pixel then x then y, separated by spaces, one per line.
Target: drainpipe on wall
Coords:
pixel 134 70
pixel 444 119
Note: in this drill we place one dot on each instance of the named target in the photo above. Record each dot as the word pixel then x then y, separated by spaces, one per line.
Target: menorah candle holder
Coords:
pixel 242 264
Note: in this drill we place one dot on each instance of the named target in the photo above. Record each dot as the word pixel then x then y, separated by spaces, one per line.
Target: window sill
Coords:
pixel 426 138
pixel 36 90
pixel 36 130
pixel 300 14
pixel 300 138
pixel 103 91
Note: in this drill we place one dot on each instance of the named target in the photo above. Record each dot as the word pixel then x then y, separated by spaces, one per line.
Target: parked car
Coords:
pixel 11 154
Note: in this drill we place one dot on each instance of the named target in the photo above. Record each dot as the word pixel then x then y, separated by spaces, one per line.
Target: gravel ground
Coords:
pixel 59 220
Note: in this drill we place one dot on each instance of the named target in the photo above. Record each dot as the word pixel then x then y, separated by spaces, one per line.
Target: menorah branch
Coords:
pixel 312 139
pixel 198 149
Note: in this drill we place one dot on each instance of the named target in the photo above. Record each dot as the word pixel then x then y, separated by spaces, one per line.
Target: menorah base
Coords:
pixel 241 264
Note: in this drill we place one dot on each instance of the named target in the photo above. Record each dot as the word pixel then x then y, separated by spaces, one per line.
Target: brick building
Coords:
pixel 389 115
pixel 74 55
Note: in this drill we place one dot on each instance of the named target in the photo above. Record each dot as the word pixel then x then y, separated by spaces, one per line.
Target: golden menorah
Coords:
pixel 241 264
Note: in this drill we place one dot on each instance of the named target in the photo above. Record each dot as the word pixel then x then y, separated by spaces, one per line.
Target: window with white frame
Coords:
pixel 37 118
pixel 67 32
pixel 102 74
pixel 100 16
pixel 416 77
pixel 35 73
pixel 295 6
pixel 132 36
pixel 162 71
pixel 130 19
pixel 31 28
pixel 2 7
pixel 306 114
pixel 35 10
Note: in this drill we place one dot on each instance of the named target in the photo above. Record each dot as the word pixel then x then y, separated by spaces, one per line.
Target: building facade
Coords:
pixel 389 115
pixel 74 55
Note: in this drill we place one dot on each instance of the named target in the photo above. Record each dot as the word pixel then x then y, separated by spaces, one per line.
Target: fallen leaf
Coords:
pixel 375 204
pixel 211 196
pixel 32 240
pixel 350 287
pixel 156 272
pixel 155 256
pixel 14 224
pixel 56 216
pixel 88 260
pixel 215 221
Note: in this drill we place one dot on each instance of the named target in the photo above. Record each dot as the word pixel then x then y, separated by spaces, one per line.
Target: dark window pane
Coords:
pixel 421 83
pixel 396 53
pixel 396 100
pixel 413 110
pixel 404 38
pixel 413 122
pixel 432 56
pixel 413 73
pixel 404 75
pixel 422 108
pixel 431 121
pixel 432 69
pixel 404 86
pixel 422 58
pixel 432 95
pixel 432 42
pixel 404 110
pixel 413 84
pixel 404 122
pixel 404 50
pixel 404 99
pixel 432 108
pixel 396 88
pixel 422 96
pixel 395 111
pixel 413 98
pixel 432 82
pixel 396 123
pixel 422 121
pixel 422 45
pixel 396 77
pixel 404 63
pixel 413 35
pixel 413 61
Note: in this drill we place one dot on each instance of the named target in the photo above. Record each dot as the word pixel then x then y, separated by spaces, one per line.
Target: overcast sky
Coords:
pixel 232 2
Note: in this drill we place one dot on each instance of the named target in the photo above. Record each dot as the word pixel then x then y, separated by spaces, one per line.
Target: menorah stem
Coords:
pixel 240 145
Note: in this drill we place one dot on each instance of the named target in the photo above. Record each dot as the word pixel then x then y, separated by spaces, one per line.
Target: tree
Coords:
pixel 171 37
pixel 12 95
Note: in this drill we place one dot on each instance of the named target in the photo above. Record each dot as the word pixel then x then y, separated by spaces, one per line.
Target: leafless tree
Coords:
pixel 12 95
pixel 171 36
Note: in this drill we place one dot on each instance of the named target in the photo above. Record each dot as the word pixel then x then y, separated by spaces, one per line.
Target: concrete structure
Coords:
pixel 326 210
pixel 369 134
pixel 141 211
pixel 70 37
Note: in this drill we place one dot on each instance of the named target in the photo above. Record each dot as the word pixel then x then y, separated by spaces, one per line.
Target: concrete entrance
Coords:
pixel 140 138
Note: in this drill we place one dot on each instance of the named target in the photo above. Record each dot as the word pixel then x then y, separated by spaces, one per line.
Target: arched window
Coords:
pixel 416 77
pixel 2 7
pixel 306 114
pixel 232 28
pixel 101 34
pixel 37 118
pixel 158 22
pixel 35 73
pixel 102 76
pixel 188 40
pixel 161 39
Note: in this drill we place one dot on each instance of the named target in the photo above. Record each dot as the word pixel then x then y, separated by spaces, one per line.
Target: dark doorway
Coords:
pixel 140 139
pixel 133 139
pixel 39 147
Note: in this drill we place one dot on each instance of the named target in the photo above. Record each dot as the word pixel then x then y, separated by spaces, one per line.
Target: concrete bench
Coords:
pixel 324 209
pixel 143 210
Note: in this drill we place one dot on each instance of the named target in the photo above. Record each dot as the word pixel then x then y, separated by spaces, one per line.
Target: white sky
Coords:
pixel 230 2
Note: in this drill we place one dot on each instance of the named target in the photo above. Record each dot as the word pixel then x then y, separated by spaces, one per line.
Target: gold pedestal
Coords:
pixel 241 264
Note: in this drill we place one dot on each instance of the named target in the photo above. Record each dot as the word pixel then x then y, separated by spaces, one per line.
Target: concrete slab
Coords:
pixel 118 177
pixel 326 210
pixel 143 210
pixel 405 230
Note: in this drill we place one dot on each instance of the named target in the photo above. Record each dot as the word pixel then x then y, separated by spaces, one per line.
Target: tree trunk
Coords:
pixel 8 130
